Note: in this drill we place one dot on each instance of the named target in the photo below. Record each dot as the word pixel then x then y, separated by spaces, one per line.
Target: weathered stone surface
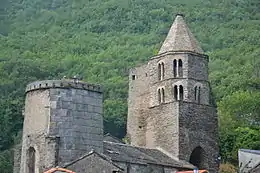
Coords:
pixel 65 110
pixel 176 121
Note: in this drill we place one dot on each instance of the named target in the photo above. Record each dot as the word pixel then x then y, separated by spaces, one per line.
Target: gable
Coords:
pixel 93 163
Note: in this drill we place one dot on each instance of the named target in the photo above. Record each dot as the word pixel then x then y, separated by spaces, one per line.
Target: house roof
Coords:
pixel 93 152
pixel 110 138
pixel 250 151
pixel 131 154
pixel 180 38
pixel 53 170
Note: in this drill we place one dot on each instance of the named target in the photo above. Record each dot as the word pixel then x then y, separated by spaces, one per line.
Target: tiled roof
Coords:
pixel 131 154
pixel 180 38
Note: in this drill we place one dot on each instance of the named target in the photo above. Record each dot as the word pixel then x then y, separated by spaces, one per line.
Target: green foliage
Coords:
pixel 101 40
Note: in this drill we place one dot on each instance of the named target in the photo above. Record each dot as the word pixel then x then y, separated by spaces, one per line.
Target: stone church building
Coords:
pixel 172 120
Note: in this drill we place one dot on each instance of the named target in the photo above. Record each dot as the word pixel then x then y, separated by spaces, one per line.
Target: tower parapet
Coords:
pixel 63 119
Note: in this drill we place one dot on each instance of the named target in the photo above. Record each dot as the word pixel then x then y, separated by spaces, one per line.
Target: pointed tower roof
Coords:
pixel 180 38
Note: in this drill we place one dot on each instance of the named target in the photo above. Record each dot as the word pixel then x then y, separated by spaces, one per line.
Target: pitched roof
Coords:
pixel 180 38
pixel 127 153
pixel 92 152
pixel 53 170
pixel 250 151
pixel 110 138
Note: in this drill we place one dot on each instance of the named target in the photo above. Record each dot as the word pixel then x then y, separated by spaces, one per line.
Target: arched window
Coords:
pixel 162 71
pixel 159 95
pixel 180 73
pixel 175 68
pixel 163 96
pixel 181 92
pixel 175 92
pixel 31 160
pixel 197 94
pixel 159 72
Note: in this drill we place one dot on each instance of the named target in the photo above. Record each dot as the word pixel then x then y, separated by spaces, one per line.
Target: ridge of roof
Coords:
pixel 115 139
pixel 180 38
pixel 250 151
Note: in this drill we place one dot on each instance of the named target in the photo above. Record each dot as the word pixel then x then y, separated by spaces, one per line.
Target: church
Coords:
pixel 172 122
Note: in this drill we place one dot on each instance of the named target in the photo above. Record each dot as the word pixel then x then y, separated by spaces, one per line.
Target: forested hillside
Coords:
pixel 101 39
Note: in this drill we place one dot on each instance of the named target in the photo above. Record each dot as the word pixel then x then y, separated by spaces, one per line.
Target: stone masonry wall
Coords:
pixel 198 67
pixel 163 124
pixel 198 127
pixel 35 126
pixel 138 105
pixel 76 117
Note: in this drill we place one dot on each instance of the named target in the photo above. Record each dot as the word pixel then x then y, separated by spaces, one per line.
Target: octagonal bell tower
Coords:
pixel 170 103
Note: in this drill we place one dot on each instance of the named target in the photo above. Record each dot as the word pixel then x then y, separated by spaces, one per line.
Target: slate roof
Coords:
pixel 131 154
pixel 110 138
pixel 92 152
pixel 180 38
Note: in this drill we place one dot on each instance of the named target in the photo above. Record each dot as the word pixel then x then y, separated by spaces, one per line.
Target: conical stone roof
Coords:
pixel 180 38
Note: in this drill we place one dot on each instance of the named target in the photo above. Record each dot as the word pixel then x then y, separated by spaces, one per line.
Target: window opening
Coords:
pixel 199 95
pixel 181 92
pixel 133 77
pixel 159 95
pixel 195 93
pixel 159 71
pixel 163 96
pixel 31 160
pixel 175 92
pixel 180 72
pixel 163 72
pixel 175 68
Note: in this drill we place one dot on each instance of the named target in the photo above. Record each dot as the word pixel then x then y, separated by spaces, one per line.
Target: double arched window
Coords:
pixel 161 95
pixel 197 91
pixel 161 71
pixel 178 92
pixel 177 68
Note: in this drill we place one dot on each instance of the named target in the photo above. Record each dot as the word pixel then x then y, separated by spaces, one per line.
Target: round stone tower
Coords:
pixel 62 121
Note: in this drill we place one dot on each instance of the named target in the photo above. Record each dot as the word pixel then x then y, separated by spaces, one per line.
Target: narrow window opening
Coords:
pixel 162 75
pixel 163 96
pixel 181 92
pixel 159 95
pixel 31 160
pixel 195 93
pixel 175 92
pixel 133 77
pixel 174 68
pixel 199 95
pixel 159 72
pixel 180 68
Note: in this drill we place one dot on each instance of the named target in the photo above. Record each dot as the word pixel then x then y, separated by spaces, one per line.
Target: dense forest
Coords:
pixel 101 39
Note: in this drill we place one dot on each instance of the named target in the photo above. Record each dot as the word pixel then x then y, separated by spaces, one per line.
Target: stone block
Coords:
pixel 98 109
